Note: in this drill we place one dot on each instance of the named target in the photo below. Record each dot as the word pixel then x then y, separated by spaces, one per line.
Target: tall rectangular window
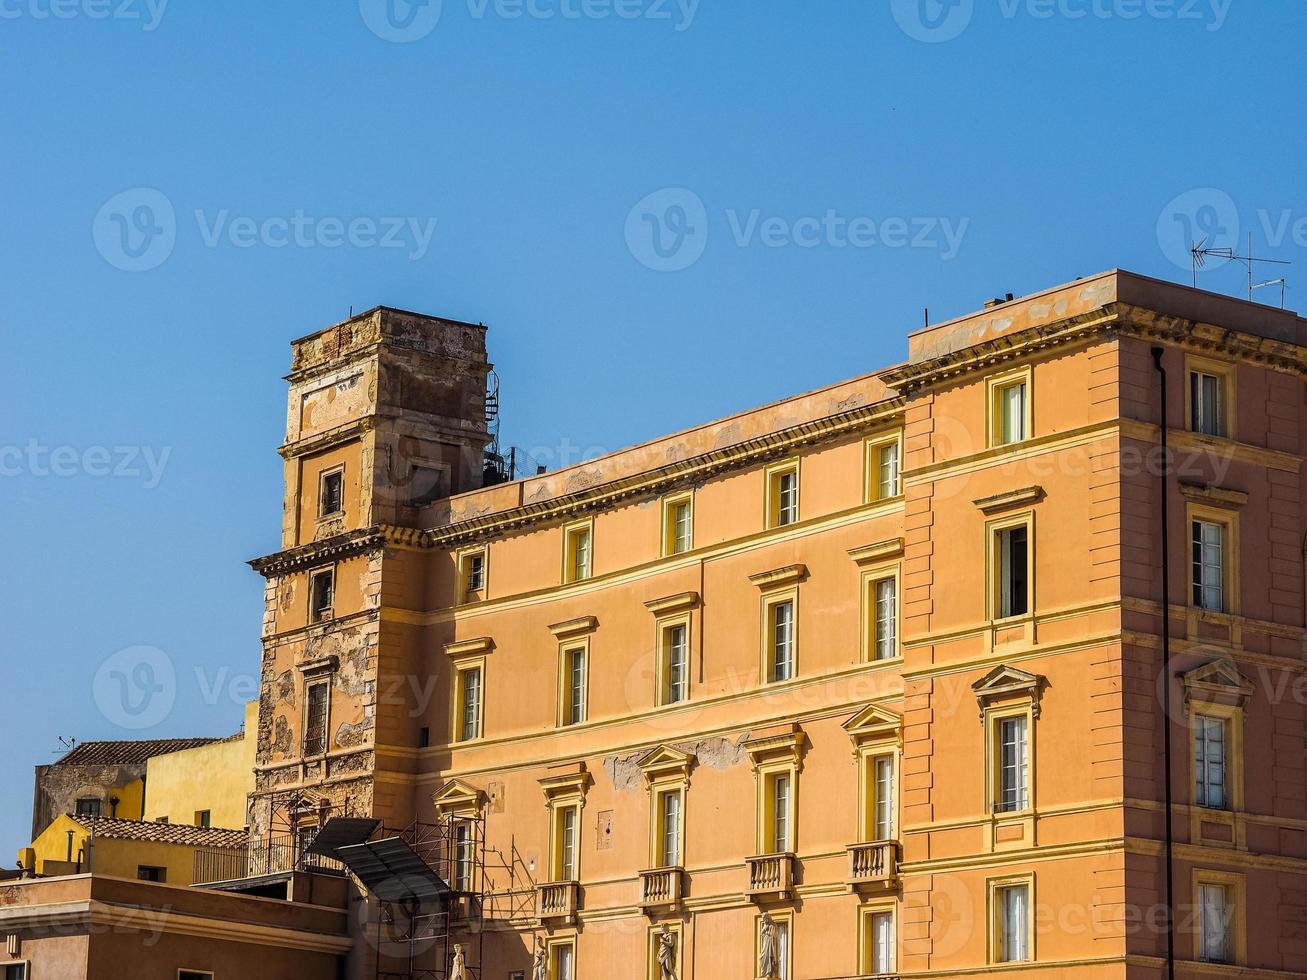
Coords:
pixel 885 638
pixel 887 471
pixel 204 818
pixel 678 525
pixel 1207 403
pixel 322 595
pixel 567 820
pixel 676 653
pixel 1214 923
pixel 331 493
pixel 574 685
pixel 1013 570
pixel 1010 413
pixel 669 848
pixel 472 576
pixel 577 555
pixel 1013 765
pixel 315 718
pixel 18 971
pixel 783 495
pixel 564 965
pixel 781 626
pixel 469 703
pixel 780 815
pixel 882 812
pixel 464 856
pixel 1209 762
pixel 1012 933
pixel 1208 541
pixel 880 935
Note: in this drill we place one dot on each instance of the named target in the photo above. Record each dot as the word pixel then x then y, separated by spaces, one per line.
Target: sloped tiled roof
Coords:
pixel 128 753
pixel 163 833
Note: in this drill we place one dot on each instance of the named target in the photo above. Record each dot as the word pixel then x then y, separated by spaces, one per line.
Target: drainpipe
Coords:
pixel 1165 514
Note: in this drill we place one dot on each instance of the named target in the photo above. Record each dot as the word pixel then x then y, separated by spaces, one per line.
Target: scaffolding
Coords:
pixel 416 933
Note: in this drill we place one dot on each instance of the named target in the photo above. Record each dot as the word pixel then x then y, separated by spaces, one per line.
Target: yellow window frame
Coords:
pixel 565 652
pixel 662 658
pixel 766 775
pixel 658 790
pixel 462 572
pixel 1229 520
pixel 995 933
pixel 552 947
pixel 463 667
pixel 994 760
pixel 867 936
pixel 868 754
pixel 770 600
pixel 994 389
pixel 994 571
pixel 572 535
pixel 870 578
pixel 1236 886
pixel 670 506
pixel 1225 371
pixel 772 476
pixel 871 448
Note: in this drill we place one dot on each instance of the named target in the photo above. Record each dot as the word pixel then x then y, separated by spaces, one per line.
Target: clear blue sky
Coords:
pixel 802 142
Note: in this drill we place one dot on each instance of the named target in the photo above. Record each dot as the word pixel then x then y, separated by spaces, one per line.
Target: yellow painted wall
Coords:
pixel 216 777
pixel 110 856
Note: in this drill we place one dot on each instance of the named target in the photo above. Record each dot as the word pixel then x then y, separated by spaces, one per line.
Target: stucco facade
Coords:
pixel 867 681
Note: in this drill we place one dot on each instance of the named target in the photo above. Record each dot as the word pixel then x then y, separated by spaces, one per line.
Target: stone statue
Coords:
pixel 768 956
pixel 539 964
pixel 666 955
pixel 459 970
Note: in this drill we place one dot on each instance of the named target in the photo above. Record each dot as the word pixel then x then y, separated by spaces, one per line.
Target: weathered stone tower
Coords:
pixel 386 418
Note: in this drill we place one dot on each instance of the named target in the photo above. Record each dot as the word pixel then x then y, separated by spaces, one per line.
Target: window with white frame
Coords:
pixel 885 470
pixel 1012 569
pixel 470 682
pixel 1208 544
pixel 1215 920
pixel 1010 412
pixel 1207 403
pixel 566 829
pixel 783 495
pixel 781 628
pixel 472 575
pixel 574 685
pixel 1013 760
pixel 678 525
pixel 1210 762
pixel 885 634
pixel 578 543
pixel 18 971
pixel 882 798
pixel 563 962
pixel 779 803
pixel 464 855
pixel 878 955
pixel 676 663
pixel 1012 923
pixel 669 828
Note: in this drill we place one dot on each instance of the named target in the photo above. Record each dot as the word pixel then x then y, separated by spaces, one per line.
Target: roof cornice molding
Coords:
pixel 656 482
pixel 346 545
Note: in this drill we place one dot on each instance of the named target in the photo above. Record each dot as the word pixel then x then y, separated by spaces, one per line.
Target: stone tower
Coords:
pixel 386 418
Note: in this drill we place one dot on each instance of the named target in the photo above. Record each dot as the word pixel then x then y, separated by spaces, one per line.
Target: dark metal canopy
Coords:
pixel 341 832
pixel 392 871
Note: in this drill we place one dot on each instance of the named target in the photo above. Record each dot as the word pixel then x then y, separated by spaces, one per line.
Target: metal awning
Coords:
pixel 392 871
pixel 342 832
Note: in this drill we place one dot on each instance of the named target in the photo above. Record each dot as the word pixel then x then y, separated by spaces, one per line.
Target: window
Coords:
pixel 577 547
pixel 193 975
pixel 1208 565
pixel 669 828
pixel 781 637
pixel 1013 758
pixel 315 718
pixel 1009 409
pixel 574 670
pixel 779 941
pixel 1215 943
pixel 1012 923
pixel 472 575
pixel 1012 555
pixel 1209 762
pixel 426 484
pixel 331 493
pixel 562 962
pixel 469 685
pixel 566 828
pixel 322 595
pixel 203 818
pixel 877 941
pixel 780 802
pixel 15 971
pixel 678 525
pixel 88 806
pixel 783 494
pixel 148 873
pixel 1207 403
pixel 881 803
pixel 464 856
pixel 675 667
pixel 882 478
pixel 884 638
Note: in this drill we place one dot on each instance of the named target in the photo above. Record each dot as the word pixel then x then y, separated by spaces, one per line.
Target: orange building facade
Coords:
pixel 866 682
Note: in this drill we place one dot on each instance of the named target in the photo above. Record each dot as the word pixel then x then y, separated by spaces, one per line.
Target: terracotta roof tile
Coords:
pixel 163 833
pixel 127 753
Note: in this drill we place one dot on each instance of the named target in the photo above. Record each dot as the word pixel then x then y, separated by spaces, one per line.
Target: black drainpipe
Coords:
pixel 1164 490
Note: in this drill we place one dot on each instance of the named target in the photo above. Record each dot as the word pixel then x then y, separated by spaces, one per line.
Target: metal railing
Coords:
pixel 272 854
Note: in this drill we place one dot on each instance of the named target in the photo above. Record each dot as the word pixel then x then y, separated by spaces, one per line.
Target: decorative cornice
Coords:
pixel 327 440
pixel 469 648
pixel 566 782
pixel 1215 496
pixel 319 665
pixel 654 483
pixel 778 577
pixel 673 603
pixel 458 797
pixel 574 627
pixel 874 723
pixel 1010 499
pixel 341 546
pixel 666 761
pixel 869 553
pixel 1217 682
pixel 781 742
pixel 1008 683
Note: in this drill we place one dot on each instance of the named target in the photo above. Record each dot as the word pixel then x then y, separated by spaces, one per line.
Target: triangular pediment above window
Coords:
pixel 458 797
pixel 1217 682
pixel 874 724
pixel 665 761
pixel 1004 684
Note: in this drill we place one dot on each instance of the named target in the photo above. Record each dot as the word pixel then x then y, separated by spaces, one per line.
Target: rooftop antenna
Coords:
pixel 1200 253
pixel 68 742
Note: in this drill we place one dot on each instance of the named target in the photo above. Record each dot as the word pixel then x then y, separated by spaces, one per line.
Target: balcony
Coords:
pixel 873 865
pixel 558 900
pixel 771 876
pixel 274 854
pixel 661 889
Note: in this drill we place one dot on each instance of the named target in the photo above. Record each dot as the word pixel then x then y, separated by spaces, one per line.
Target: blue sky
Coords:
pixel 665 211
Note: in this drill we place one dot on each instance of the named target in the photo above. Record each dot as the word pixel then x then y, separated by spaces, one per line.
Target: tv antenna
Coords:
pixel 1200 253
